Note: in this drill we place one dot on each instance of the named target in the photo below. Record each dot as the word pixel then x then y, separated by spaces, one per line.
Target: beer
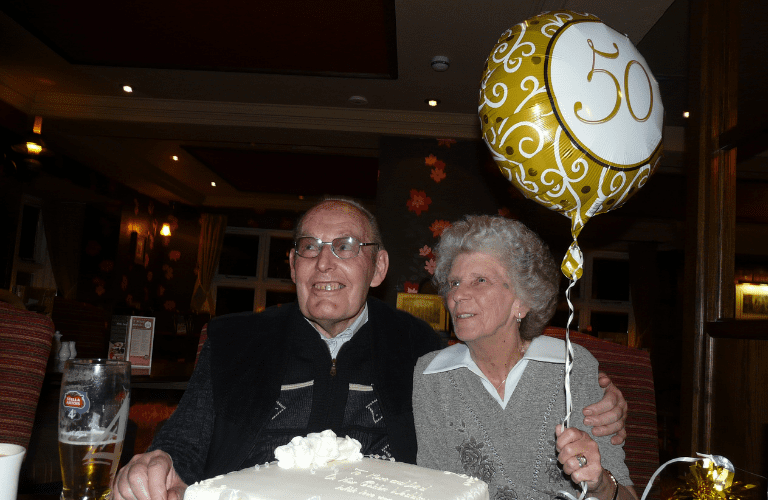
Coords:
pixel 94 404
pixel 88 465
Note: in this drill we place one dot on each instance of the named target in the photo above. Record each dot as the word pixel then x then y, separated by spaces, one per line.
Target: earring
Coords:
pixel 519 318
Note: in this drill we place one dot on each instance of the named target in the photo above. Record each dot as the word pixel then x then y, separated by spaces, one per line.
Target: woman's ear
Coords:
pixel 519 309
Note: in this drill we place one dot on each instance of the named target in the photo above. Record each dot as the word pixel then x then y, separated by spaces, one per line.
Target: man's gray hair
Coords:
pixel 526 258
pixel 373 225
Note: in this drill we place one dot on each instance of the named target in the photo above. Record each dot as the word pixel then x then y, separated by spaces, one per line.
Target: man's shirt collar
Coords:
pixel 336 342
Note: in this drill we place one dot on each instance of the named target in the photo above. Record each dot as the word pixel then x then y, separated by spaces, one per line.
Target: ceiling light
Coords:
pixel 33 144
pixel 213 183
pixel 440 63
pixel 686 114
pixel 127 88
pixel 166 229
pixel 175 158
pixel 432 102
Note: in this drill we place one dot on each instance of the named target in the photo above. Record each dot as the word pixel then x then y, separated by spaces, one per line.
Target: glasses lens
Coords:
pixel 308 247
pixel 346 248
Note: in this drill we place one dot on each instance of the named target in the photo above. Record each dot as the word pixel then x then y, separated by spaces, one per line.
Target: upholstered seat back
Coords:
pixel 25 343
pixel 630 370
pixel 201 343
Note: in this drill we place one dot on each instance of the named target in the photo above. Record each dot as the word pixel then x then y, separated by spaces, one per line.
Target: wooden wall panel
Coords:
pixel 740 403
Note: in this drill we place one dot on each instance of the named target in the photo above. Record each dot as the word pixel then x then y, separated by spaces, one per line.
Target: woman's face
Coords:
pixel 481 298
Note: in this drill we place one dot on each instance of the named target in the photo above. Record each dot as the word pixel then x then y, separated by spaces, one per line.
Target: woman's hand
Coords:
pixel 573 443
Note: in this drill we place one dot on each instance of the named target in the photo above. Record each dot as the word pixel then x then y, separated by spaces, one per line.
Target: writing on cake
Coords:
pixel 374 485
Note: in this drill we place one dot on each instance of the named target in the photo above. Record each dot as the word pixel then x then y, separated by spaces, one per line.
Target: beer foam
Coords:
pixel 88 438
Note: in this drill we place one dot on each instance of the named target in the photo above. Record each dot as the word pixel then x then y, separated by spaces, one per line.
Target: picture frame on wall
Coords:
pixel 751 301
pixel 428 307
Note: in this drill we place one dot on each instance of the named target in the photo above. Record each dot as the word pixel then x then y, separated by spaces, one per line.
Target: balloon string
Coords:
pixel 565 494
pixel 568 369
pixel 569 407
pixel 568 357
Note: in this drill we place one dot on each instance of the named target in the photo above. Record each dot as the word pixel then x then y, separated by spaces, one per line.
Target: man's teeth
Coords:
pixel 467 315
pixel 329 286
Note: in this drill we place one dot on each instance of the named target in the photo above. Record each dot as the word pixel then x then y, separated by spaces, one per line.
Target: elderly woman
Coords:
pixel 492 406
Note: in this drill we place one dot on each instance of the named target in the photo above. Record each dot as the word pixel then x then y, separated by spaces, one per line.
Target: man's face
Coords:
pixel 332 291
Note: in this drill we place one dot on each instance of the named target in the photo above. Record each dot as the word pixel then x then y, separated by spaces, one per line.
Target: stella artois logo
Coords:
pixel 74 399
pixel 75 403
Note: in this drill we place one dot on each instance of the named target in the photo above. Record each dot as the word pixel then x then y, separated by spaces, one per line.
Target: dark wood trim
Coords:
pixel 750 329
pixel 711 202
pixel 741 136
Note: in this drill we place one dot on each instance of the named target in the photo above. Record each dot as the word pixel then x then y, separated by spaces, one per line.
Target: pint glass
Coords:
pixel 93 414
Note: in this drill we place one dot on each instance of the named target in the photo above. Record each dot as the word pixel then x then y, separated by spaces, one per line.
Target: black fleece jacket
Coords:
pixel 242 366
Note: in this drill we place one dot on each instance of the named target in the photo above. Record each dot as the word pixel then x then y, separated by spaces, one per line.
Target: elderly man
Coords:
pixel 333 360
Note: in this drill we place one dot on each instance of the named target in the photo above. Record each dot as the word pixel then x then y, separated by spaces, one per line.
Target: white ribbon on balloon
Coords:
pixel 718 460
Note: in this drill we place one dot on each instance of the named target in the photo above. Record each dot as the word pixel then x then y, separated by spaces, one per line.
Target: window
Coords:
pixel 601 299
pixel 254 272
pixel 31 264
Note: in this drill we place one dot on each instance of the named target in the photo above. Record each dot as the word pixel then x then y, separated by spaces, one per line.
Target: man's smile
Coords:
pixel 328 287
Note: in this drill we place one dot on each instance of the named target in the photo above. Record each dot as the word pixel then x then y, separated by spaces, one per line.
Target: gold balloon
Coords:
pixel 572 116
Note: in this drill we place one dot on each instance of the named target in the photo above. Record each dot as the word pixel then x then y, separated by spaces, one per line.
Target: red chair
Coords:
pixel 25 344
pixel 630 370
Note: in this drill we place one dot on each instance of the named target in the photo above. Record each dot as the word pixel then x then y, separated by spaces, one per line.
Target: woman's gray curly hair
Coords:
pixel 529 264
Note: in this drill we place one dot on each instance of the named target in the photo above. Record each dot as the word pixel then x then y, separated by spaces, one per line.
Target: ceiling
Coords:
pixel 255 95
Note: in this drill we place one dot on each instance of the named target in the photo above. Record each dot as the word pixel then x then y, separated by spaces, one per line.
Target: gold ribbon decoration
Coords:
pixel 708 481
pixel 572 116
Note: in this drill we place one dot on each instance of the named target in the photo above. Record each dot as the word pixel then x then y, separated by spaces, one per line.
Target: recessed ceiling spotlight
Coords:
pixel 358 100
pixel 440 63
pixel 127 89
pixel 432 102
pixel 213 183
pixel 686 114
pixel 175 158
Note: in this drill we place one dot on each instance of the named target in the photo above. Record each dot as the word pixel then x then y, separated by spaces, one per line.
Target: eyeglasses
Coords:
pixel 343 248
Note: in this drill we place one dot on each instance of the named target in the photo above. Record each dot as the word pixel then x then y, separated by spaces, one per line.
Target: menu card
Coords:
pixel 141 338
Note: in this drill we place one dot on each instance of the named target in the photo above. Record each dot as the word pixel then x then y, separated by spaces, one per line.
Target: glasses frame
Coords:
pixel 321 243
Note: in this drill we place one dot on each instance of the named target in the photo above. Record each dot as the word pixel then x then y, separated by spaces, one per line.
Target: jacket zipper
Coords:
pixel 333 367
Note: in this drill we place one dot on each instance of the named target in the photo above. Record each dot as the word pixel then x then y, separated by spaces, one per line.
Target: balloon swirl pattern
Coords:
pixel 572 116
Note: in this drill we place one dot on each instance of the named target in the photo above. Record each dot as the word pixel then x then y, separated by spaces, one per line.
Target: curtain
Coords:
pixel 63 225
pixel 212 232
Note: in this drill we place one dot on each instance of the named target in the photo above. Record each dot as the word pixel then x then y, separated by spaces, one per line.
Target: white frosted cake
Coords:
pixel 298 476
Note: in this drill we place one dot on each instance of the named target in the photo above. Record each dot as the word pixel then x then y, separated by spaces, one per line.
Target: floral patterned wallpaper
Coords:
pixel 97 276
pixel 128 267
pixel 424 185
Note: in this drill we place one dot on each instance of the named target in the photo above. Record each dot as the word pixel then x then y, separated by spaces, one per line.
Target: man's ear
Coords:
pixel 382 265
pixel 291 260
